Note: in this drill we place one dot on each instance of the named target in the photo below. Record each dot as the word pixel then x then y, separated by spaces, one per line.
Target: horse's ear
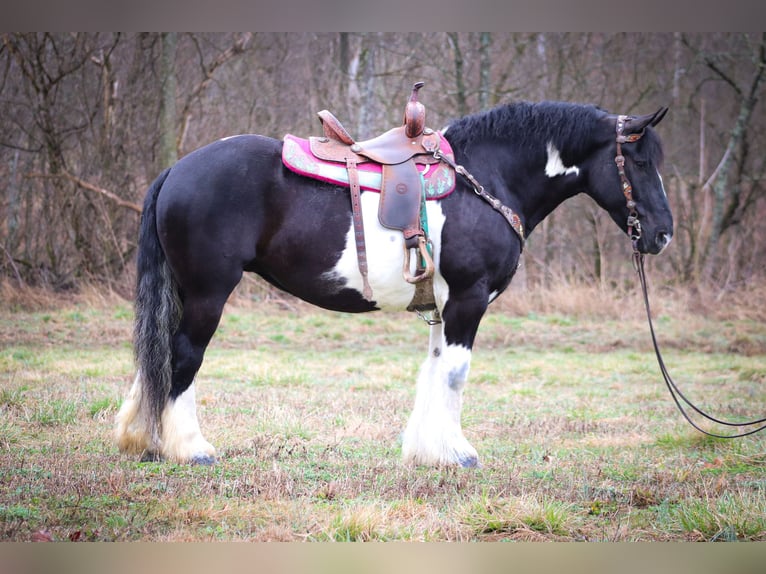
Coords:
pixel 658 115
pixel 639 123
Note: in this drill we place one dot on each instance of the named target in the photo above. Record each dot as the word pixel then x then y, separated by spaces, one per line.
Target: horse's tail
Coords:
pixel 157 313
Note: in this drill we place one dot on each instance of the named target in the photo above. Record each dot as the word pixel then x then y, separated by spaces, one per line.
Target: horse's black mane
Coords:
pixel 529 124
pixel 569 126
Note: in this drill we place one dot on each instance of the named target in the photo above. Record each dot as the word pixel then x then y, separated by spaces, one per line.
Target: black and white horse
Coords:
pixel 232 206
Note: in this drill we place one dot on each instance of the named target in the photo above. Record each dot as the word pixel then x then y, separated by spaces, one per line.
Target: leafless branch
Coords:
pixel 13 266
pixel 106 193
pixel 239 46
pixel 708 185
pixel 91 187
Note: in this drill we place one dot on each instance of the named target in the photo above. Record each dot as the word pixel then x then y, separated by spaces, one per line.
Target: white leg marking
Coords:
pixel 182 440
pixel 555 166
pixel 130 431
pixel 433 435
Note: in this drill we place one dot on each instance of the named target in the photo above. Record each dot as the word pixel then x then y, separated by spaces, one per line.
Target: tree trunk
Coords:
pixel 725 192
pixel 485 42
pixel 460 94
pixel 168 152
pixel 344 64
pixel 367 77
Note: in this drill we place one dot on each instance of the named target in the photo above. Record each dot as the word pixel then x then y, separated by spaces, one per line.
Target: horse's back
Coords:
pixel 232 206
pixel 221 169
pixel 211 205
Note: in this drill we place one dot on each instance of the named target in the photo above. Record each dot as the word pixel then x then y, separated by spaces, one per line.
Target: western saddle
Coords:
pixel 402 200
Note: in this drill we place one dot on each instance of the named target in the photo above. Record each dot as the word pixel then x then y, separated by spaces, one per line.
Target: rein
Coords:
pixel 634 232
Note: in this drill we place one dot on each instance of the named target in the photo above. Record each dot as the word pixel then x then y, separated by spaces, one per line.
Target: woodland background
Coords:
pixel 87 121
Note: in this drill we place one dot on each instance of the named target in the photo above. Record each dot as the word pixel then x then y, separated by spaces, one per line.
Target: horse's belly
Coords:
pixel 385 257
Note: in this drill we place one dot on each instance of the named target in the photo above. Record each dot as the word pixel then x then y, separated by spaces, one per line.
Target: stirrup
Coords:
pixel 428 272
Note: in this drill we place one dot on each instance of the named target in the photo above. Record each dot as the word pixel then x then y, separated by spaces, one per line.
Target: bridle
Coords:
pixel 634 224
pixel 634 232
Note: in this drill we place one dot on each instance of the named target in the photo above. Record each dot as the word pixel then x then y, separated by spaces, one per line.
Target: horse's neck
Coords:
pixel 538 190
pixel 543 197
pixel 533 188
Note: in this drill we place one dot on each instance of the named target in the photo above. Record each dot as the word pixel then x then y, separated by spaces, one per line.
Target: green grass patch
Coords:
pixel 12 398
pixel 102 407
pixel 54 413
pixel 576 434
pixel 727 518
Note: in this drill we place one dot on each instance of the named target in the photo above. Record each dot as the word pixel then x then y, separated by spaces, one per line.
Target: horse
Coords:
pixel 232 207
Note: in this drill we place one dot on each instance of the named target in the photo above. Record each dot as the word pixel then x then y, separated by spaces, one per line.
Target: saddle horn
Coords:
pixel 414 113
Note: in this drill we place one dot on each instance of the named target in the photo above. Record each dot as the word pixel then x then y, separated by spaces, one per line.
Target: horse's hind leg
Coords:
pixel 182 439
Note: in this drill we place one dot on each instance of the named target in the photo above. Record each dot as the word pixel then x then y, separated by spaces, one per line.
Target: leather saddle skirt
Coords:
pixel 438 179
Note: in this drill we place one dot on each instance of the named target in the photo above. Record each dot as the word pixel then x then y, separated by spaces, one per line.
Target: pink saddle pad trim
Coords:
pixel 438 179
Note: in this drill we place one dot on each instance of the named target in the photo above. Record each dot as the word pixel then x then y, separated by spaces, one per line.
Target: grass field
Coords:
pixel 578 438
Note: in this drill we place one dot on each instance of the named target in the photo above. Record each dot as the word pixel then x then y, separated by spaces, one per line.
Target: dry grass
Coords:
pixel 584 301
pixel 578 439
pixel 745 302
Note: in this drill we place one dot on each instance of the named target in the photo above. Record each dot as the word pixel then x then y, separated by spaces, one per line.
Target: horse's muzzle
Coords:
pixel 657 244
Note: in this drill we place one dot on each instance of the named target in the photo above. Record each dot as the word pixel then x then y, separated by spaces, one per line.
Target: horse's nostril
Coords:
pixel 663 239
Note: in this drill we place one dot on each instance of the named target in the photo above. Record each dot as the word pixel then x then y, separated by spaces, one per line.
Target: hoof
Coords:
pixel 149 456
pixel 199 459
pixel 469 462
pixel 203 460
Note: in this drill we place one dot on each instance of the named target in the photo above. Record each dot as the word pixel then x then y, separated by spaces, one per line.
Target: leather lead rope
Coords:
pixel 634 232
pixel 675 392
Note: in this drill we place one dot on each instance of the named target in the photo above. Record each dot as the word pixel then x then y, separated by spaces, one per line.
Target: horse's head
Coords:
pixel 631 190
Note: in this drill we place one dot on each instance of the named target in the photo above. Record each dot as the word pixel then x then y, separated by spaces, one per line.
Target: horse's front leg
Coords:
pixel 434 435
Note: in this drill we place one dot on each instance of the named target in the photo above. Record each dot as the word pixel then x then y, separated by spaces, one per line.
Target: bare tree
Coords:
pixel 485 63
pixel 168 149
pixel 461 97
pixel 87 120
pixel 736 66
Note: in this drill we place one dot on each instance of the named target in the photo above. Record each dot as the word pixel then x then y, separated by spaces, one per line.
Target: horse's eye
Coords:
pixel 640 163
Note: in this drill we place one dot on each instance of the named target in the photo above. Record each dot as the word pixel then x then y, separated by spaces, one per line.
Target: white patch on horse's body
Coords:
pixel 433 435
pixel 385 257
pixel 668 236
pixel 554 166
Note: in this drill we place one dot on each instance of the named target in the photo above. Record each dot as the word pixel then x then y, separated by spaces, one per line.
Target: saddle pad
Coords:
pixel 438 178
